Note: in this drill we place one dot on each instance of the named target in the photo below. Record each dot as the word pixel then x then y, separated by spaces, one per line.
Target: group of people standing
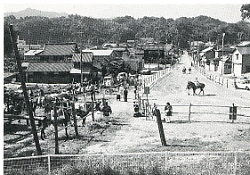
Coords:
pixel 168 109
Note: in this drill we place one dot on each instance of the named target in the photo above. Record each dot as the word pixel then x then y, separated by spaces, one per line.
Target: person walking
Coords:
pixel 125 94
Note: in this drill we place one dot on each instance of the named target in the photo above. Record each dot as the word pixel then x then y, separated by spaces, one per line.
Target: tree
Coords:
pixel 8 49
pixel 245 11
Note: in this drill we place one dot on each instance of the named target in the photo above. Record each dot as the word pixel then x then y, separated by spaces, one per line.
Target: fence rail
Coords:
pixel 230 162
pixel 201 112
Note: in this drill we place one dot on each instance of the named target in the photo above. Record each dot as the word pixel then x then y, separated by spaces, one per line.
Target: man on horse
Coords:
pixel 197 83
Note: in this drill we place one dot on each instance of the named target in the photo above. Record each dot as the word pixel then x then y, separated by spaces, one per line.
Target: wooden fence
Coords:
pixel 224 162
pixel 202 112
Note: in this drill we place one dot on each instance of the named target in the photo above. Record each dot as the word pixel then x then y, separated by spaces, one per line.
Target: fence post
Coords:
pixel 235 163
pixel 49 168
pixel 160 128
pixel 56 130
pixel 166 161
pixel 189 113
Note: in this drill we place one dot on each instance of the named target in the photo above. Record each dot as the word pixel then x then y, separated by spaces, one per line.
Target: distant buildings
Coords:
pixel 233 60
pixel 241 59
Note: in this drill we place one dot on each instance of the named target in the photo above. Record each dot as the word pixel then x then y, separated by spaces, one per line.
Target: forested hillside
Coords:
pixel 41 30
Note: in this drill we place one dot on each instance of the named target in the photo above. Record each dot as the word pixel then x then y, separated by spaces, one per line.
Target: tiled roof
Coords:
pixel 244 44
pixel 49 67
pixel 153 47
pixel 58 49
pixel 87 57
pixel 244 50
pixel 9 74
pixel 207 49
pixel 100 52
pixel 32 52
pixel 86 70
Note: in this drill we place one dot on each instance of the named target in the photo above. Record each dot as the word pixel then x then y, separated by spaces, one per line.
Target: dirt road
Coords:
pixel 128 134
pixel 141 135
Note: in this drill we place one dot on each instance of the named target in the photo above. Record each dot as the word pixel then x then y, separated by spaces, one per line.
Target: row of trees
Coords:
pixel 40 30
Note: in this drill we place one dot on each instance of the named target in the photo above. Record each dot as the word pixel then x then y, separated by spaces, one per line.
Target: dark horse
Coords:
pixel 64 118
pixel 191 85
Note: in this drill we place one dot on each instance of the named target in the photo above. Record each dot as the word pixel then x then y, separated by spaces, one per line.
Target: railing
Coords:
pixel 150 80
pixel 219 79
pixel 164 162
pixel 201 112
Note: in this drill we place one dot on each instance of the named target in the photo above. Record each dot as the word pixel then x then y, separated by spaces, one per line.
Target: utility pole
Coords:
pixel 74 111
pixel 56 130
pixel 81 57
pixel 223 35
pixel 32 121
pixel 158 56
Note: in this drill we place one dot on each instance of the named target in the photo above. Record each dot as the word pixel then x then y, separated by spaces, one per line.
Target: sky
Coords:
pixel 228 12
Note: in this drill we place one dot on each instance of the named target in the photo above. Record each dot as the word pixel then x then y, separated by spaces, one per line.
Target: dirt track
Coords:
pixel 141 135
pixel 124 133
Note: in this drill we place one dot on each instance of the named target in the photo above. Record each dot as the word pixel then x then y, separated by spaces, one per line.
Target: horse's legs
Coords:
pixel 42 133
pixel 66 130
pixel 84 121
pixel 201 90
pixel 194 92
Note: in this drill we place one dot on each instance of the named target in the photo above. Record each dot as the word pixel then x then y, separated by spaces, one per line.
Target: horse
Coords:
pixel 63 118
pixel 83 114
pixel 191 85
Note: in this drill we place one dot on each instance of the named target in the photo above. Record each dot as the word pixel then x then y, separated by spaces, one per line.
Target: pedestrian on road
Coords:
pixel 125 95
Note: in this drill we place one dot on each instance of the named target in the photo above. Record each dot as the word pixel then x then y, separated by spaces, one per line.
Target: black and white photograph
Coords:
pixel 126 88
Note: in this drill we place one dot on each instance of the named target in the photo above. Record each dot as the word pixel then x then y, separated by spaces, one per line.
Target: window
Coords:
pixel 237 56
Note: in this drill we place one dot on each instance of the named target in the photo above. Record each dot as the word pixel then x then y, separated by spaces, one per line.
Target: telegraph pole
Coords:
pixel 31 117
pixel 81 57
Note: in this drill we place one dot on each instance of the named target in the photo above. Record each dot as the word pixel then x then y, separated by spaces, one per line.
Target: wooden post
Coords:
pixel 233 114
pixel 74 112
pixel 189 113
pixel 49 167
pixel 235 163
pixel 31 117
pixel 92 108
pixel 161 130
pixel 56 131
pixel 74 118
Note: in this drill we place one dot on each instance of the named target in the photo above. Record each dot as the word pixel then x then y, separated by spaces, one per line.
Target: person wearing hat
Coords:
pixel 168 112
pixel 197 83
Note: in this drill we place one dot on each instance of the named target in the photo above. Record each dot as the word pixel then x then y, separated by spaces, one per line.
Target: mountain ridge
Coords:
pixel 34 12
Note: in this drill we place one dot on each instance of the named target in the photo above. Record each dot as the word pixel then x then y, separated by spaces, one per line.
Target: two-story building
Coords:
pixel 50 65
